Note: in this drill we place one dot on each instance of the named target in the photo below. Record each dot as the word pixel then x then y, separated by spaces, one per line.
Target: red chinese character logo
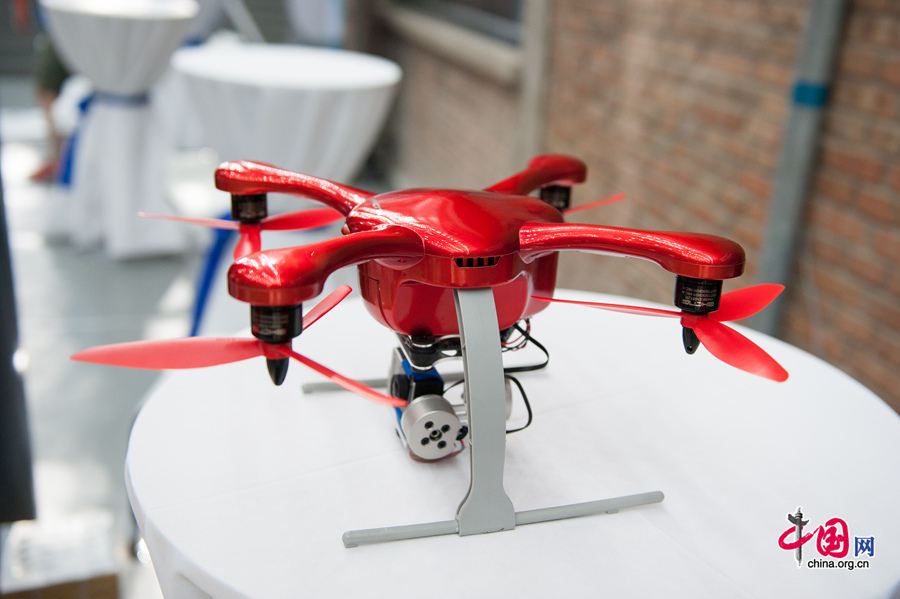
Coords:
pixel 832 539
pixel 832 542
pixel 788 545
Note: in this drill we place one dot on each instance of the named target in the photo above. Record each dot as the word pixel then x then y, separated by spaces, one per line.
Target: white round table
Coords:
pixel 243 489
pixel 123 48
pixel 313 110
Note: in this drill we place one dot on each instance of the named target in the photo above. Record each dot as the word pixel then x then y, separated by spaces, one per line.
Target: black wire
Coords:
pixel 519 342
pixel 527 406
pixel 454 384
pixel 531 367
pixel 511 369
pixel 527 368
pixel 521 392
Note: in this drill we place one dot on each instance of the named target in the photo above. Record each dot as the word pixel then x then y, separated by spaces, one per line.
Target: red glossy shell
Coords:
pixel 398 300
pixel 551 169
pixel 687 254
pixel 414 246
pixel 454 223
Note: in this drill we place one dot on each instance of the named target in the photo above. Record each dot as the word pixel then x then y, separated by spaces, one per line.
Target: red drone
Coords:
pixel 415 247
pixel 453 273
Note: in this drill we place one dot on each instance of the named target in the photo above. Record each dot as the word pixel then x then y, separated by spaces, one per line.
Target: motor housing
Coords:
pixel 431 427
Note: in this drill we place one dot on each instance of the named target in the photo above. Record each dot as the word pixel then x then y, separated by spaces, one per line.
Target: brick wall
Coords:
pixel 450 127
pixel 681 105
pixel 845 301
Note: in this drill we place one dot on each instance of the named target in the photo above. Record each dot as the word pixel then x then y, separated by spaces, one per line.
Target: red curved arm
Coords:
pixel 550 169
pixel 687 254
pixel 291 276
pixel 247 176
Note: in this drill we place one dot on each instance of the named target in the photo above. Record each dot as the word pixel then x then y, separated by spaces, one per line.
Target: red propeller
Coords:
pixel 198 352
pixel 249 241
pixel 610 200
pixel 721 340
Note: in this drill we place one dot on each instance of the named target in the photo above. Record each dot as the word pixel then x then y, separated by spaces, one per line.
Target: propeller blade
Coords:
pixel 325 306
pixel 249 242
pixel 302 219
pixel 733 348
pixel 191 352
pixel 342 381
pixel 615 307
pixel 215 223
pixel 610 200
pixel 722 341
pixel 742 303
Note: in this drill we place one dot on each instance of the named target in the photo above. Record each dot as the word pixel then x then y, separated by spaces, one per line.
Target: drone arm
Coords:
pixel 248 177
pixel 550 169
pixel 293 275
pixel 687 254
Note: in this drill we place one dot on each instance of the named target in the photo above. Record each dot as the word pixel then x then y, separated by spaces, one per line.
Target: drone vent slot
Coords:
pixel 477 262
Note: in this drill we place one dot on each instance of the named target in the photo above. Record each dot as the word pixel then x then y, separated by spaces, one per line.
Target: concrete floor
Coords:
pixel 79 415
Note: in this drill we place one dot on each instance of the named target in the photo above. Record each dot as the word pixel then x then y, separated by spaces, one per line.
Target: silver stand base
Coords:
pixel 486 507
pixel 354 538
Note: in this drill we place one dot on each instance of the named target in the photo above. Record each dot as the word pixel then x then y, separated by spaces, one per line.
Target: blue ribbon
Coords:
pixel 67 162
pixel 208 272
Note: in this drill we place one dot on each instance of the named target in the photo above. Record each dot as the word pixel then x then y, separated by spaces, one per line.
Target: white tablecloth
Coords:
pixel 123 48
pixel 243 489
pixel 313 110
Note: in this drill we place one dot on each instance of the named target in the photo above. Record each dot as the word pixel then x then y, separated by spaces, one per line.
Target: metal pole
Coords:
pixel 798 151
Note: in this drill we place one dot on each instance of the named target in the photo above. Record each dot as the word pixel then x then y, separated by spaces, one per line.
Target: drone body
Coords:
pixel 415 246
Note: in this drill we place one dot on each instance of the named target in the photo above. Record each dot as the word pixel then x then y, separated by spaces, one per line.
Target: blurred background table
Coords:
pixel 123 48
pixel 313 110
pixel 244 489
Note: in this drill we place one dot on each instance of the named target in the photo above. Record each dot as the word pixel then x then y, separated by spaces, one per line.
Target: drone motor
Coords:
pixel 431 427
pixel 276 324
pixel 249 208
pixel 558 196
pixel 696 296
